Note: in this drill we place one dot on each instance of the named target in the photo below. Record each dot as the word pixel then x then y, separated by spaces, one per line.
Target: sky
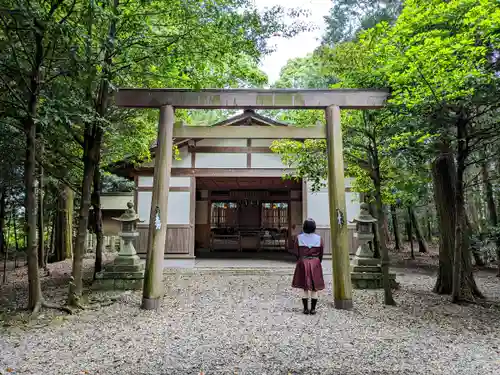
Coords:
pixel 301 44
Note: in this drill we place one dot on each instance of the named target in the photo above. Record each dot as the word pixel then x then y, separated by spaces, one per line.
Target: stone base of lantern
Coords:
pixel 370 278
pixel 125 273
pixel 366 273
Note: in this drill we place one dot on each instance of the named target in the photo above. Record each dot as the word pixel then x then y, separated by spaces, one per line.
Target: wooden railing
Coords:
pixel 247 238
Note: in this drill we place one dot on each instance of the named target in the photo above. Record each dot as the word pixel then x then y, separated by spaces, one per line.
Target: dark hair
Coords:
pixel 309 226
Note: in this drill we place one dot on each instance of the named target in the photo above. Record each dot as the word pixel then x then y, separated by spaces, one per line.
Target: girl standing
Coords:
pixel 308 274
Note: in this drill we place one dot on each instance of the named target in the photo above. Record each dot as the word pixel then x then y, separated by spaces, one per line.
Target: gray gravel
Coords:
pixel 252 324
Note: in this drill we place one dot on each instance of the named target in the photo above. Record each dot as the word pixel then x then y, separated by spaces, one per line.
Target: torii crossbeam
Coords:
pixel 332 101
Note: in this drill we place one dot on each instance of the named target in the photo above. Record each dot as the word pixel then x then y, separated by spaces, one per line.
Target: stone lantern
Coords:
pixel 127 269
pixel 366 272
pixel 128 220
pixel 364 235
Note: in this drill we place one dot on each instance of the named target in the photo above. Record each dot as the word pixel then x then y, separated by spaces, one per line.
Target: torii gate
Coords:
pixel 329 100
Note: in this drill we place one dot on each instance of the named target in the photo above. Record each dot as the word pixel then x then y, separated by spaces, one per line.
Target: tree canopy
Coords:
pixel 440 62
pixel 61 63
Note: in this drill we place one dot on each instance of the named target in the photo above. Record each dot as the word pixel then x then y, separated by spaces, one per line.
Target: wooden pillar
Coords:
pixel 342 289
pixel 304 201
pixel 192 216
pixel 153 278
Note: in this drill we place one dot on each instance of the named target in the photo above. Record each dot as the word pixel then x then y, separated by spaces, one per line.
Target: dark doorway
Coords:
pixel 246 216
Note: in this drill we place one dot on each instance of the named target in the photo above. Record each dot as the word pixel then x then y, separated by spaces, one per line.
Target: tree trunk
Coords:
pixel 443 175
pixel 379 214
pixel 34 287
pixel 59 228
pixel 3 203
pixel 429 227
pixel 422 244
pixel 96 204
pixel 52 248
pixel 47 250
pixel 464 287
pixel 375 244
pixel 63 232
pixel 4 277
pixel 3 247
pixel 481 209
pixel 76 286
pixel 498 243
pixel 385 224
pixel 410 233
pixel 16 240
pixel 474 210
pixel 68 222
pixel 492 210
pixel 90 160
pixel 41 227
pixel 409 236
pixel 395 225
pixel 475 251
pixel 384 251
pixel 91 156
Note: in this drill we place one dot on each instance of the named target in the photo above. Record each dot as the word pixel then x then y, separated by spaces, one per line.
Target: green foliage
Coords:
pixel 348 18
pixel 301 73
pixel 114 184
pixel 437 54
pixel 61 62
pixel 308 158
pixel 154 44
pixel 205 117
pixel 377 146
pixel 438 60
pixel 304 72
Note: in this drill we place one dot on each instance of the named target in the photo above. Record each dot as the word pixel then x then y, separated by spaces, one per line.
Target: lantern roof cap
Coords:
pixel 364 215
pixel 129 214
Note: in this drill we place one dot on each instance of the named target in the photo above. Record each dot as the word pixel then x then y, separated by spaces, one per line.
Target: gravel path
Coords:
pixel 252 324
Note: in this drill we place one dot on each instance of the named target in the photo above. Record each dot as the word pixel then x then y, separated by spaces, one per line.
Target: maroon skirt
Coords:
pixel 308 275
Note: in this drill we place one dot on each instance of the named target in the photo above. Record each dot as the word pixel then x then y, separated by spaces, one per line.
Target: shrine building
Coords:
pixel 229 196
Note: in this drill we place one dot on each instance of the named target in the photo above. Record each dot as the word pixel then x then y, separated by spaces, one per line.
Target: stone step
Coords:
pixel 129 261
pixel 123 268
pixel 361 280
pixel 365 262
pixel 230 271
pixel 365 276
pixel 370 276
pixel 121 275
pixel 117 284
pixel 371 269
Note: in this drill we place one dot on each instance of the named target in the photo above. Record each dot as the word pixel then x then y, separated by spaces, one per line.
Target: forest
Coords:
pixel 428 163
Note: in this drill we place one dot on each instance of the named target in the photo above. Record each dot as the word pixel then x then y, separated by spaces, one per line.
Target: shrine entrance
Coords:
pixel 167 100
pixel 246 215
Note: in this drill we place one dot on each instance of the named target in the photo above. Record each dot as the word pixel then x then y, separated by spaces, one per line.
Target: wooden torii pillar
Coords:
pixel 157 233
pixel 342 288
pixel 332 101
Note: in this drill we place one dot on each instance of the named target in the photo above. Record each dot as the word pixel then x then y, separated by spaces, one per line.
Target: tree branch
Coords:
pixel 362 163
pixel 70 11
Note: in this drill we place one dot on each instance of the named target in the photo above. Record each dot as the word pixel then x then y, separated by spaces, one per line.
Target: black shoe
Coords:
pixel 306 309
pixel 313 306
